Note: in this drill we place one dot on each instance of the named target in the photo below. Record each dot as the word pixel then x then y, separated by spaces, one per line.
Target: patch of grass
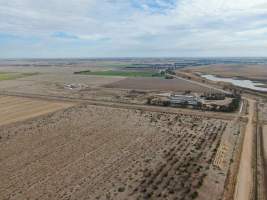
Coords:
pixel 122 73
pixel 30 74
pixel 12 75
pixel 8 76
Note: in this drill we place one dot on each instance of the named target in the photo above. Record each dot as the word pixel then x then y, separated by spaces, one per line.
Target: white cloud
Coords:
pixel 131 26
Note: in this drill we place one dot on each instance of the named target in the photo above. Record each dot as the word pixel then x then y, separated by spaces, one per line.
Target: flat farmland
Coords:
pixel 96 152
pixel 15 109
pixel 178 85
pixel 252 72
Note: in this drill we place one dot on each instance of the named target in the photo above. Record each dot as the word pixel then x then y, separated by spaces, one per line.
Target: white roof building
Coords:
pixel 181 99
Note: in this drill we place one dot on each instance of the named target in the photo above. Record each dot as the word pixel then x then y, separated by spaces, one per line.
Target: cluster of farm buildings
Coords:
pixel 213 102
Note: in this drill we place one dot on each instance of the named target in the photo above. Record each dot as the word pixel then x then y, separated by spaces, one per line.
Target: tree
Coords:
pixel 166 103
pixel 148 100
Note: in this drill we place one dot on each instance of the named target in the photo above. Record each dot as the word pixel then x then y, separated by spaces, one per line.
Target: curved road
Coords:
pixel 201 84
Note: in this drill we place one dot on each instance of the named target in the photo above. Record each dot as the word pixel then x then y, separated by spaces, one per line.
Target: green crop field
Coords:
pixel 11 75
pixel 122 73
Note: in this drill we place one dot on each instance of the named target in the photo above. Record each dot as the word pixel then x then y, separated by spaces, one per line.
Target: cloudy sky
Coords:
pixel 125 28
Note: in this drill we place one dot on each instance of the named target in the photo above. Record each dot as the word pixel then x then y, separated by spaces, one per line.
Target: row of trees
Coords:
pixel 231 107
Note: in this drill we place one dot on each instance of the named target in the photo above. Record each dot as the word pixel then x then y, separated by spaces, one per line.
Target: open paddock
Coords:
pixel 96 152
pixel 15 109
pixel 160 84
pixel 243 71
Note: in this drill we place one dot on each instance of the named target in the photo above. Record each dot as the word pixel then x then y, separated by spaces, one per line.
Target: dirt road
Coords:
pixel 201 84
pixel 216 115
pixel 264 140
pixel 244 178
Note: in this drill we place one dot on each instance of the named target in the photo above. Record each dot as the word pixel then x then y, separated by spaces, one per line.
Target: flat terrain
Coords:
pixel 178 85
pixel 264 138
pixel 245 174
pixel 10 76
pixel 253 72
pixel 263 150
pixel 15 109
pixel 128 73
pixel 84 153
pixel 108 144
pixel 53 81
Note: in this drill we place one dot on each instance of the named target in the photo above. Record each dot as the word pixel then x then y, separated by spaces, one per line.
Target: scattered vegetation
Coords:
pixel 122 73
pixel 12 75
pixel 181 172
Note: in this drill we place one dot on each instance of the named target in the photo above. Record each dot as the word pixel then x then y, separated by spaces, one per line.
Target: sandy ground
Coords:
pixel 57 78
pixel 110 151
pixel 55 81
pixel 256 72
pixel 92 152
pixel 265 140
pixel 53 75
pixel 244 179
pixel 15 109
pixel 217 174
pixel 178 85
pixel 265 149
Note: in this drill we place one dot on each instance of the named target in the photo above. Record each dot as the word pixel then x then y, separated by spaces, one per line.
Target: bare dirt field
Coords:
pixel 51 85
pixel 57 79
pixel 157 84
pixel 54 80
pixel 265 144
pixel 15 109
pixel 92 152
pixel 113 148
pixel 253 72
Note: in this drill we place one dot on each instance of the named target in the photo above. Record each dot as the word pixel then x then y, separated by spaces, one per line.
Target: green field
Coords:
pixel 122 73
pixel 12 75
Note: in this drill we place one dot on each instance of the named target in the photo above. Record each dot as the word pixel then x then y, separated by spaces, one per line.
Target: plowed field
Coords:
pixel 178 85
pixel 93 152
pixel 13 109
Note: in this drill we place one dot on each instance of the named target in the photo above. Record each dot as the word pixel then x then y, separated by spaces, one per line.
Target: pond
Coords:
pixel 241 83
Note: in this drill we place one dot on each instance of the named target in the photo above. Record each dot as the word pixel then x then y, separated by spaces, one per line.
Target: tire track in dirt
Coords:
pixel 243 189
pixel 16 109
pixel 58 151
pixel 101 148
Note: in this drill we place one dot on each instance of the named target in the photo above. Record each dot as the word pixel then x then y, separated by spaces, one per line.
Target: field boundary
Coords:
pixel 15 109
pixel 214 115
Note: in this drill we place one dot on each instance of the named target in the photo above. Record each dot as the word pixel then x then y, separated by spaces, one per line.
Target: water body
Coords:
pixel 241 83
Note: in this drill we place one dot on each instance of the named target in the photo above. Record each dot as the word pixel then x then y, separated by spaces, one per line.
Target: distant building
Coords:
pixel 184 99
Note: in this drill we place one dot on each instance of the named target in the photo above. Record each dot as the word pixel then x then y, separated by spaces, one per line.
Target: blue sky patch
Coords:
pixel 64 35
pixel 157 6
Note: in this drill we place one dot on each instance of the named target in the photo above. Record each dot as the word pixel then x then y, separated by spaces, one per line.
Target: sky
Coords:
pixel 132 28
